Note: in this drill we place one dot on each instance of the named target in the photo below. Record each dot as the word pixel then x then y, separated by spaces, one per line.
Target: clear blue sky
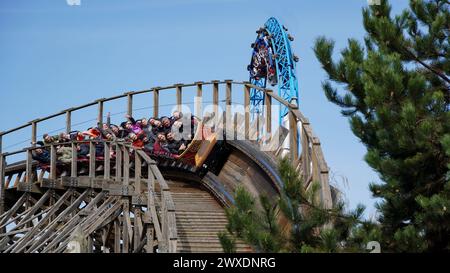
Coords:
pixel 54 56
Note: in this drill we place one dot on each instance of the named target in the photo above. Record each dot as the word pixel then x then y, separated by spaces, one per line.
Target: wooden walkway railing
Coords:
pixel 310 160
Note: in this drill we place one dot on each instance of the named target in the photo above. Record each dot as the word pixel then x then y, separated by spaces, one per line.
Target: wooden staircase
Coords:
pixel 199 219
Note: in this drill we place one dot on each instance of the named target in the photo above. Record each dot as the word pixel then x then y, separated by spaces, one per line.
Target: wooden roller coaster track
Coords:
pixel 138 204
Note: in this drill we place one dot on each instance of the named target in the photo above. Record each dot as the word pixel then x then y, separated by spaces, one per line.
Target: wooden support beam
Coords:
pixel 227 125
pixel 125 232
pixel 130 104
pixel 116 236
pixel 151 203
pixel 52 162
pixel 118 163
pixel 293 138
pixel 155 103
pixel 33 133
pixel 247 111
pixel 100 114
pixel 216 101
pixel 29 170
pixel 306 155
pixel 136 232
pixel 199 100
pixel 68 121
pixel 126 167
pixel 74 161
pixel 107 161
pixel 179 97
pixel 92 155
pixel 268 101
pixel 137 173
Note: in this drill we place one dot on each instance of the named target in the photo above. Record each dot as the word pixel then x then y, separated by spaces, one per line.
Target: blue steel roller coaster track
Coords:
pixel 284 61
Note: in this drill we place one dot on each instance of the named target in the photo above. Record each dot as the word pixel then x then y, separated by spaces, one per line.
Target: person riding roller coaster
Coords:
pixel 262 64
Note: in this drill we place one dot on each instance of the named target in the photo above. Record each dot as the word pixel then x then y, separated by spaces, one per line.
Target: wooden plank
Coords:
pixel 100 114
pixel 268 113
pixel 74 161
pixel 247 110
pixel 125 232
pixel 52 162
pixel 216 100
pixel 92 166
pixel 118 163
pixel 293 138
pixel 29 169
pixel 136 232
pixel 116 236
pixel 68 121
pixel 179 97
pixel 305 155
pixel 137 173
pixel 155 103
pixel 107 162
pixel 138 222
pixel 227 118
pixel 151 205
pixel 199 101
pixel 126 166
pixel 130 104
pixel 33 132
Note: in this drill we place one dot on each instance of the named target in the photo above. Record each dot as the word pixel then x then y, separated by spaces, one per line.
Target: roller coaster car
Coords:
pixel 263 62
pixel 205 151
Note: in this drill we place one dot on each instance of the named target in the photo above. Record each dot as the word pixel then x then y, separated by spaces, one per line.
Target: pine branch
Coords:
pixel 441 75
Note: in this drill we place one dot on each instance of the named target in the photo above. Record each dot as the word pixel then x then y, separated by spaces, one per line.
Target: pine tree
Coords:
pixel 396 94
pixel 295 222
